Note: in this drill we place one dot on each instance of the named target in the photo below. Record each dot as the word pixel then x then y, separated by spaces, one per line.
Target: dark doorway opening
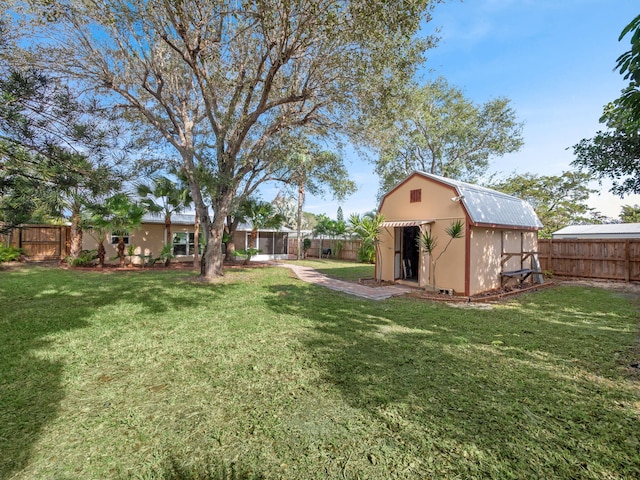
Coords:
pixel 410 253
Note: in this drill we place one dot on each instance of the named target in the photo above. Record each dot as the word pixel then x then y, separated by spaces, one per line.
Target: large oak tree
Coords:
pixel 558 200
pixel 436 129
pixel 220 79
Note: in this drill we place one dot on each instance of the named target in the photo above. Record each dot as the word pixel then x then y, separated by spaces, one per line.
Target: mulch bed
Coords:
pixel 372 282
pixel 489 296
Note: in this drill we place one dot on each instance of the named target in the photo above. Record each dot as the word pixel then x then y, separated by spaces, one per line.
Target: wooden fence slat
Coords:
pixel 40 242
pixel 611 259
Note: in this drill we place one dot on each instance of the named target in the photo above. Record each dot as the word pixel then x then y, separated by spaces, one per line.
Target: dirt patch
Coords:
pixel 114 267
pixel 489 296
pixel 630 288
pixel 373 283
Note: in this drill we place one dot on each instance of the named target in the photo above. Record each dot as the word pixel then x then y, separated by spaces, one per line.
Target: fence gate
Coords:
pixel 44 242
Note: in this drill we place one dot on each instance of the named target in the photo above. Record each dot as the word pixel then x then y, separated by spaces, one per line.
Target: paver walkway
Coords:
pixel 307 274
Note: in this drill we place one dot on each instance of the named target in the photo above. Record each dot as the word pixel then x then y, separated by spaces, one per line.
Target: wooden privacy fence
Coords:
pixel 610 259
pixel 340 249
pixel 40 242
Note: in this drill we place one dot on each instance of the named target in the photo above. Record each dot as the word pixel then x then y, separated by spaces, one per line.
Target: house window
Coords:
pixel 115 237
pixel 415 196
pixel 184 243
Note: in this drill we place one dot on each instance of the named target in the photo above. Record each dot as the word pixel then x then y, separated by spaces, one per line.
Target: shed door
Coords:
pixel 397 255
pixel 410 253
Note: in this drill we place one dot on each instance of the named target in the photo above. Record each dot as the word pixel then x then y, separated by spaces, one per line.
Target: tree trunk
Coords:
pixel 212 264
pixel 252 245
pixel 231 248
pixel 121 248
pixel 232 225
pixel 169 239
pixel 299 219
pixel 101 254
pixel 76 232
pixel 196 234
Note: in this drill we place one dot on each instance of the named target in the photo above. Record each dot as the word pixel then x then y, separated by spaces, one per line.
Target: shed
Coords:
pixel 500 235
pixel 599 232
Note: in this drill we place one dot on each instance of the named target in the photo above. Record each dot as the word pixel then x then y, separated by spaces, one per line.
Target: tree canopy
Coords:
pixel 53 148
pixel 307 168
pixel 558 200
pixel 615 153
pixel 165 197
pixel 436 129
pixel 630 214
pixel 219 80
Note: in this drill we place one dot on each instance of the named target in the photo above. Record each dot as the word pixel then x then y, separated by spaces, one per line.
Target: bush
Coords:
pixel 367 253
pixel 9 254
pixel 246 254
pixel 306 245
pixel 85 258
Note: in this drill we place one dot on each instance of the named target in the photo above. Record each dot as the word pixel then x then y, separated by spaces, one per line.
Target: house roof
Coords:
pixel 189 219
pixel 176 218
pixel 489 207
pixel 612 230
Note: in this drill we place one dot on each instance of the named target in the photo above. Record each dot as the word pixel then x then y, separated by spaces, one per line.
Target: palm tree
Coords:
pixel 90 223
pixel 309 169
pixel 367 228
pixel 165 197
pixel 118 214
pixel 260 215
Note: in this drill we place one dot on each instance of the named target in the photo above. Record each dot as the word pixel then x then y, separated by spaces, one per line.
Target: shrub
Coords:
pixel 9 254
pixel 247 254
pixel 306 245
pixel 85 258
pixel 367 253
pixel 165 255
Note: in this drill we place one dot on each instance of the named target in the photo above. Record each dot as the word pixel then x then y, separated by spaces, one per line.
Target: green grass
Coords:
pixel 147 375
pixel 340 269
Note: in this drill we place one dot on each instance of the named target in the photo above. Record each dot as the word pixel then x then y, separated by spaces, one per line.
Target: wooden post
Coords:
pixel 627 260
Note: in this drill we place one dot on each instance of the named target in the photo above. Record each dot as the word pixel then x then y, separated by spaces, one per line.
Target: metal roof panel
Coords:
pixel 490 207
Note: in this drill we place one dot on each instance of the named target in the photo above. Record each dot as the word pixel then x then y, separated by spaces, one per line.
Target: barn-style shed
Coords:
pixel 499 243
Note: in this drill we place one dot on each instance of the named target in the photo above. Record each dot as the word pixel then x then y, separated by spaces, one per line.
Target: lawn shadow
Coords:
pixel 40 303
pixel 31 383
pixel 440 386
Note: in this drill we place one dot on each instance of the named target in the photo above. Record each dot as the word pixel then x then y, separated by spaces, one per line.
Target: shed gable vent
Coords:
pixel 415 196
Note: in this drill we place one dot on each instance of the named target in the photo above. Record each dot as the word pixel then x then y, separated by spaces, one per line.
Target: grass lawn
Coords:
pixel 147 375
pixel 348 271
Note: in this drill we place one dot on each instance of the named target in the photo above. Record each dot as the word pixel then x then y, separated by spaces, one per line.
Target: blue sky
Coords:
pixel 553 59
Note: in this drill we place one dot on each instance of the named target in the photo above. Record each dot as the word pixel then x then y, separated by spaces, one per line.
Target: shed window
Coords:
pixel 415 196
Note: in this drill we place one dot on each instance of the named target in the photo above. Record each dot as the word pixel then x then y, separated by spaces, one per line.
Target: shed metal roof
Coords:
pixel 611 230
pixel 490 207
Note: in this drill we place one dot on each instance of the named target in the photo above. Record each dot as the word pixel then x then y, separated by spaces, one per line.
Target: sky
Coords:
pixel 554 59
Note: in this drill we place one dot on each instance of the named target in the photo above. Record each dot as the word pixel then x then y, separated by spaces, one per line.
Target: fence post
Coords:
pixel 627 260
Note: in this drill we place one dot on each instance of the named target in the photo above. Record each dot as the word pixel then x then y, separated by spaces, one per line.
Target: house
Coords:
pixel 149 240
pixel 498 246
pixel 598 232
